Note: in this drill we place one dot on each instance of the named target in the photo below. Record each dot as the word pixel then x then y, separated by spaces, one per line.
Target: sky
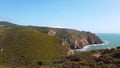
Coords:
pixel 97 16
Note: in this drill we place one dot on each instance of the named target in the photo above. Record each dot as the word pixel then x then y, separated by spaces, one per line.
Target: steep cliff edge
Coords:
pixel 73 39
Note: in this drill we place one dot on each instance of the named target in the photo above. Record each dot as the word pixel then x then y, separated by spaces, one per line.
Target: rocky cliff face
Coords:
pixel 73 39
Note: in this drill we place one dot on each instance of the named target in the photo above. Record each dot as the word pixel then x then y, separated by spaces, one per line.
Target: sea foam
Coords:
pixel 88 46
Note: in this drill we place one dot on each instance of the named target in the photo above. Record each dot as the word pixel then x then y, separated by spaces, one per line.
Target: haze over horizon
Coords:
pixel 97 16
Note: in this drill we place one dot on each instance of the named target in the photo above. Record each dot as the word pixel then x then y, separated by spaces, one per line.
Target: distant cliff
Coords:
pixel 70 38
pixel 73 39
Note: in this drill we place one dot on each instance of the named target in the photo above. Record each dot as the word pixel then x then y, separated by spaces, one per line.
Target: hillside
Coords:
pixel 6 23
pixel 31 46
pixel 73 38
pixel 24 46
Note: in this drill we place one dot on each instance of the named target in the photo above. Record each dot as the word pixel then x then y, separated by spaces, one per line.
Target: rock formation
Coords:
pixel 70 52
pixel 75 39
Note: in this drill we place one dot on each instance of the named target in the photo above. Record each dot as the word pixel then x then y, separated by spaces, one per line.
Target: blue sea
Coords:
pixel 110 41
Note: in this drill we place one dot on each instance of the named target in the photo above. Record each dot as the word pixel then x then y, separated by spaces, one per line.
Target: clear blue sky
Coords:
pixel 98 16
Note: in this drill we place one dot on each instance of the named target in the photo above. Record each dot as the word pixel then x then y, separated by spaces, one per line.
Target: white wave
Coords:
pixel 83 49
pixel 88 46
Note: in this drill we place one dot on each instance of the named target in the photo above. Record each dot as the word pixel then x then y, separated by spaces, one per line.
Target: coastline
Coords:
pixel 94 45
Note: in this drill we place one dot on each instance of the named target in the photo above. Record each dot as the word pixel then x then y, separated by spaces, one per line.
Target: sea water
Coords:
pixel 110 41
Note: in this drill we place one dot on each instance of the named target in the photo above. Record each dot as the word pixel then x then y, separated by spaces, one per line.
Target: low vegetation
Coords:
pixel 23 46
pixel 109 58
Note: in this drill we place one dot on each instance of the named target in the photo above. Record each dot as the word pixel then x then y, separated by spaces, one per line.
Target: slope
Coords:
pixel 75 39
pixel 23 45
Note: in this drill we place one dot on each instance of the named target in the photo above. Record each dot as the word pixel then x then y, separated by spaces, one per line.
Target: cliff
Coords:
pixel 73 39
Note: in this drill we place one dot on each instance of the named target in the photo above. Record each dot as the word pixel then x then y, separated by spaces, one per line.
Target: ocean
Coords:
pixel 110 41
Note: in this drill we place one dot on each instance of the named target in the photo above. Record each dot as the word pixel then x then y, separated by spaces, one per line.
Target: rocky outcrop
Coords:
pixel 78 39
pixel 51 32
pixel 70 52
pixel 73 39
